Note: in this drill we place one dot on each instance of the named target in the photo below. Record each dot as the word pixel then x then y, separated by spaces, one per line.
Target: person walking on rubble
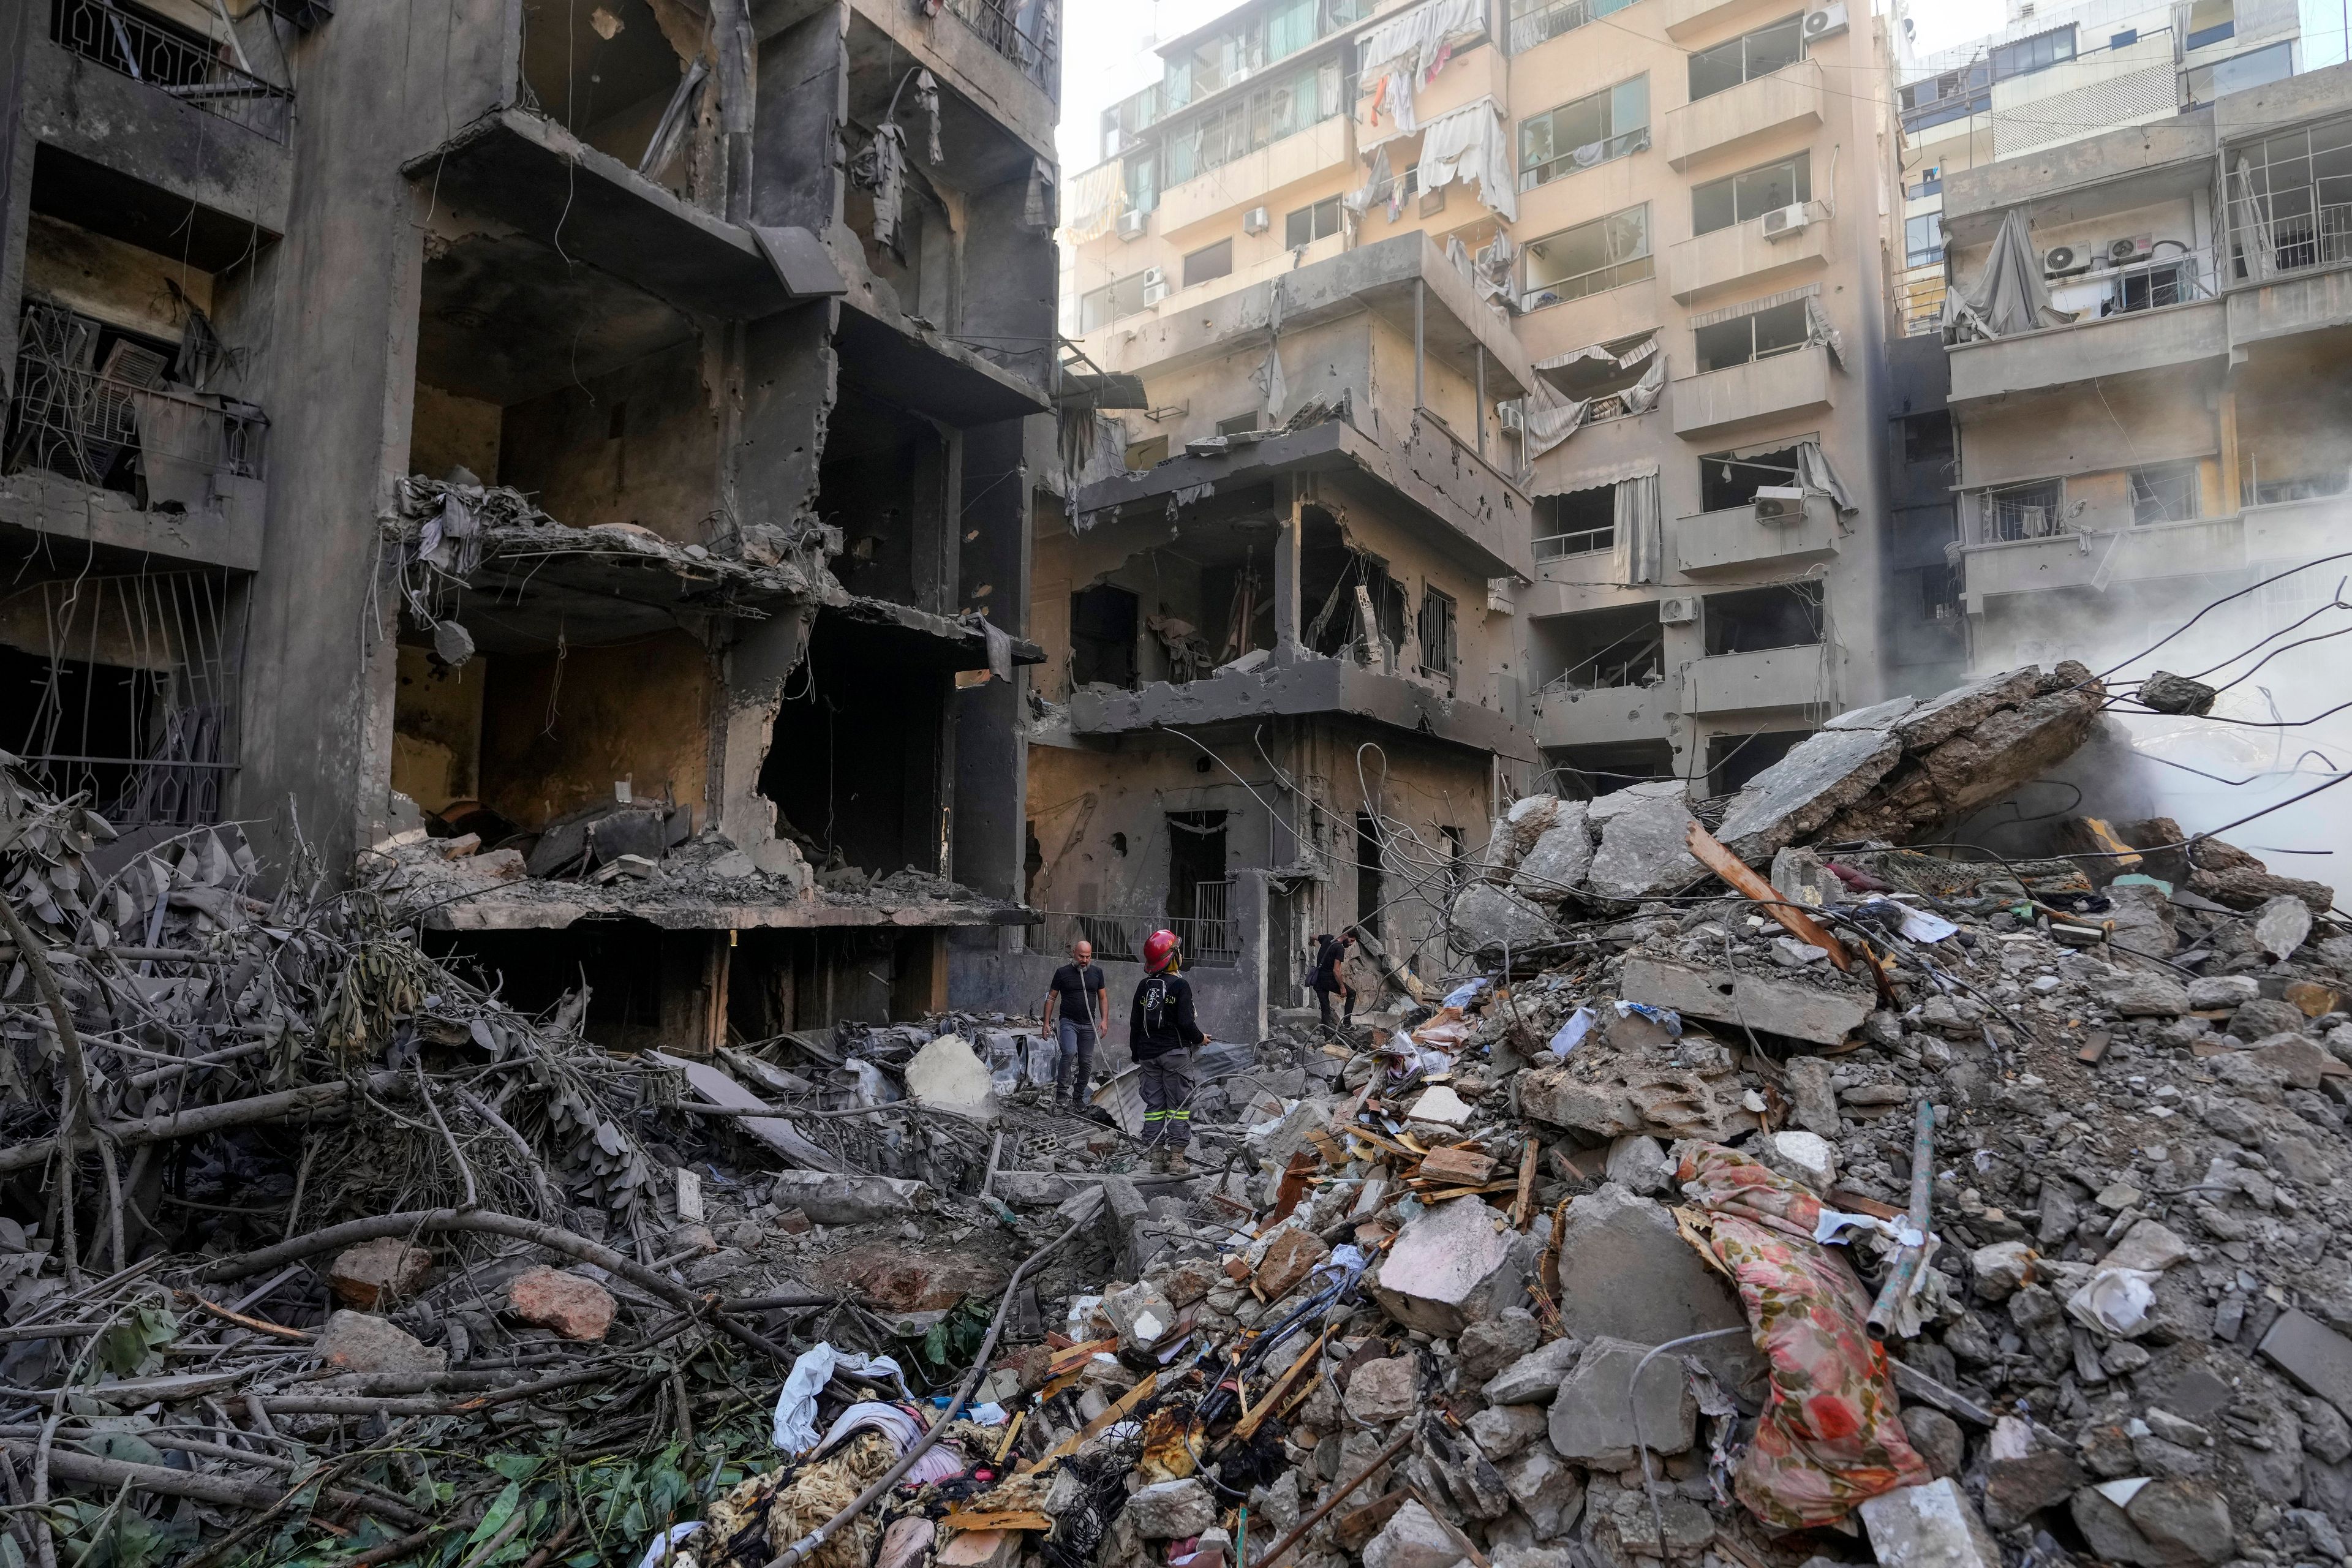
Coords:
pixel 1079 999
pixel 1330 952
pixel 1161 1032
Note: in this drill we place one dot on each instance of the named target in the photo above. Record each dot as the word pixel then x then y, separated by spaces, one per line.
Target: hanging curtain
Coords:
pixel 1399 56
pixel 1097 198
pixel 2256 248
pixel 1472 144
pixel 1269 379
pixel 1819 331
pixel 1641 549
pixel 1814 473
pixel 1549 416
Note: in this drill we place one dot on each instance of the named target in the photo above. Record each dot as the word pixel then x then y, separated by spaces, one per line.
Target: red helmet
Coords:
pixel 1159 951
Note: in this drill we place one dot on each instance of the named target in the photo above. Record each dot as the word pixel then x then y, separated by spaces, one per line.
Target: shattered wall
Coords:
pixel 639 446
pixel 559 728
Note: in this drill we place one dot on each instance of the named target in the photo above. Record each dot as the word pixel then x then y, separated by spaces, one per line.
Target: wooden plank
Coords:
pixel 1358 1526
pixel 1108 1418
pixel 958 1519
pixel 1844 1199
pixel 1523 1207
pixel 1292 1187
pixel 1457 1167
pixel 1273 1395
pixel 1710 853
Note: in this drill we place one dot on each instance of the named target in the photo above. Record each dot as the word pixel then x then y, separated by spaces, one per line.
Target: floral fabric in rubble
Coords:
pixel 1829 1437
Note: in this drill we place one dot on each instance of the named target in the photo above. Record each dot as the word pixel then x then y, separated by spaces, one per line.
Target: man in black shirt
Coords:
pixel 1330 952
pixel 1161 1031
pixel 1077 1009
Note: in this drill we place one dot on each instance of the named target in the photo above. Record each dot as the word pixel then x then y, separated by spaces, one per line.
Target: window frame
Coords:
pixel 1226 245
pixel 1616 142
pixel 1312 212
pixel 1593 540
pixel 2146 485
pixel 1915 255
pixel 1109 292
pixel 1799 164
pixel 1646 258
pixel 1745 43
pixel 2037 60
pixel 1449 619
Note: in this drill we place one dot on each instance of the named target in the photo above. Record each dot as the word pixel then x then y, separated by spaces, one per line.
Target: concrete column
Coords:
pixel 2233 484
pixel 1482 399
pixel 1420 341
pixel 796 163
pixel 1286 578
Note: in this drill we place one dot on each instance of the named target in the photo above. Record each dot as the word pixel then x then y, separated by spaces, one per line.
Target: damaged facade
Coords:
pixel 580 451
pixel 1280 678
pixel 1676 212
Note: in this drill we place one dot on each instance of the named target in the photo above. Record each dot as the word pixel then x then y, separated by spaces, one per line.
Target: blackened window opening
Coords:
pixel 1102 635
pixel 1369 891
pixel 1753 620
pixel 1726 481
pixel 1733 760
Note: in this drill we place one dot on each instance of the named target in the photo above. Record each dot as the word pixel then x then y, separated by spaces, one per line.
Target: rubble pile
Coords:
pixel 1814 1198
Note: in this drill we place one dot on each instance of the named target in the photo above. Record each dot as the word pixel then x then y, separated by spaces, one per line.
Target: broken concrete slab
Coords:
pixel 829 1199
pixel 1644 850
pixel 1536 1375
pixel 948 1075
pixel 1413 1538
pixel 2149 1245
pixel 1665 1090
pixel 355 1341
pixel 1140 1315
pixel 1595 1415
pixel 1439 1106
pixel 2146 996
pixel 1602 808
pixel 1448 1268
pixel 1490 920
pixel 1384 1391
pixel 1517 831
pixel 1626 1273
pixel 714 1086
pixel 1807 1156
pixel 1941 717
pixel 1878 716
pixel 2281 925
pixel 1821 776
pixel 2317 1358
pixel 1929 1526
pixel 1172 1511
pixel 1822 1006
pixel 1811 1097
pixel 1560 859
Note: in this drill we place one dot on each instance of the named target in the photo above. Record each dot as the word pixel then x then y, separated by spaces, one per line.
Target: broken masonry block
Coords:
pixel 1413 1538
pixel 948 1075
pixel 355 1341
pixel 1290 1259
pixel 1594 1417
pixel 1172 1511
pixel 1451 1266
pixel 2314 1356
pixel 1929 1526
pixel 1535 1377
pixel 1490 920
pixel 1559 861
pixel 1382 1391
pixel 1626 1273
pixel 829 1199
pixel 1644 850
pixel 574 1307
pixel 1820 1007
pixel 1821 776
pixel 375 1274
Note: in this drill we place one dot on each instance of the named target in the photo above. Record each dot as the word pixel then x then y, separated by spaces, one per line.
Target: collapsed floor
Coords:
pixel 1584 1263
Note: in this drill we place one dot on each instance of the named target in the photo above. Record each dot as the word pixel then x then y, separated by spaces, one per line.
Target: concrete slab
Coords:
pixel 1929 1526
pixel 2317 1358
pixel 948 1075
pixel 1594 1420
pixel 1487 919
pixel 1560 858
pixel 1447 1268
pixel 1643 850
pixel 1819 777
pixel 1805 1009
pixel 1626 1273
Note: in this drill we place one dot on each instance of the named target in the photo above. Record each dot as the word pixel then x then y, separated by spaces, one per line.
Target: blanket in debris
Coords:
pixel 1829 1436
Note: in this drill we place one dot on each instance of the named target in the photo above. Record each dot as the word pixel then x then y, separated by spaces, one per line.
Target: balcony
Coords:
pixel 1775 677
pixel 152 469
pixel 1215 194
pixel 1741 255
pixel 1686 19
pixel 173 62
pixel 1023 34
pixel 2129 341
pixel 1734 539
pixel 1600 716
pixel 1736 396
pixel 1794 98
pixel 2095 558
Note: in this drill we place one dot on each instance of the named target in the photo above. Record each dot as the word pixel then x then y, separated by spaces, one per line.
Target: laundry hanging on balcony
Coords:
pixel 1473 142
pixel 1098 197
pixel 1814 473
pixel 1400 56
pixel 2010 295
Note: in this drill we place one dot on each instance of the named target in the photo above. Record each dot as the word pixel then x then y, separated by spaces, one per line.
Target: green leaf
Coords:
pixel 500 1510
pixel 134 1346
pixel 516 1466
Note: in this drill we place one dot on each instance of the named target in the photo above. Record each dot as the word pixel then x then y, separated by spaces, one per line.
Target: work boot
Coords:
pixel 1158 1161
pixel 1177 1164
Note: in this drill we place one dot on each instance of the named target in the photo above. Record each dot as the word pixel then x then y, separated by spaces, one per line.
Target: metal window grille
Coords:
pixel 1022 32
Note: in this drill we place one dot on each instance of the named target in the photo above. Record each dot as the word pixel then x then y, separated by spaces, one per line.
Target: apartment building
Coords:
pixel 582 452
pixel 2148 417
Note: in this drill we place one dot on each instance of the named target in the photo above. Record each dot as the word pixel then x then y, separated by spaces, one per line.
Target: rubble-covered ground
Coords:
pixel 1917 1207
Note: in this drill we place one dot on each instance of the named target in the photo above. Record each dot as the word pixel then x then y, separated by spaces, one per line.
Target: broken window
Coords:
pixel 1592 258
pixel 858 782
pixel 191 65
pixel 1729 479
pixel 1752 620
pixel 1341 581
pixel 1927 437
pixel 1752 192
pixel 1147 454
pixel 606 70
pixel 1733 760
pixel 1102 635
pixel 1590 132
pixel 1759 334
pixel 1309 224
pixel 123 688
pixel 1577 522
pixel 1125 297
pixel 1210 261
pixel 1369 896
pixel 2165 492
pixel 1435 628
pixel 1939 593
pixel 1240 424
pixel 2023 511
pixel 1600 650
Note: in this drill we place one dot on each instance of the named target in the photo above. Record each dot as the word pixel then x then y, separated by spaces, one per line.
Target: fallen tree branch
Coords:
pixel 335 1237
pixel 282 1106
pixel 221 1491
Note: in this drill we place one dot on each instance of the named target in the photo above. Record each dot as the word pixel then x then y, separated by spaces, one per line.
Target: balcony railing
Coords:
pixel 1585 541
pixel 1541 23
pixel 2296 229
pixel 119 435
pixel 1022 31
pixel 1208 939
pixel 189 68
pixel 1919 301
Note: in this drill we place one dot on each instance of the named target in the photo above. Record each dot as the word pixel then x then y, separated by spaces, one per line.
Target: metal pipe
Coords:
pixel 1909 1257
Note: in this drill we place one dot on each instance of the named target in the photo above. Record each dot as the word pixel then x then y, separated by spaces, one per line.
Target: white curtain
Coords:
pixel 1819 331
pixel 1641 547
pixel 1473 144
pixel 1097 198
pixel 1549 416
pixel 2256 246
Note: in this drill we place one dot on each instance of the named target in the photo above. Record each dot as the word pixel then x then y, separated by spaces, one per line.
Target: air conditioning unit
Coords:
pixel 1512 417
pixel 1779 505
pixel 1826 23
pixel 1132 224
pixel 1155 285
pixel 2064 261
pixel 1258 220
pixel 1680 611
pixel 1782 222
pixel 2126 252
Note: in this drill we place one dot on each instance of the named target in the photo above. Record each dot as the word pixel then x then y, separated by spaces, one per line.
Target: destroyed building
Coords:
pixel 1677 211
pixel 579 450
pixel 1278 691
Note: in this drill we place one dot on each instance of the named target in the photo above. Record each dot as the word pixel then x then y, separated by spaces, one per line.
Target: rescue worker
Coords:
pixel 1330 952
pixel 1161 1032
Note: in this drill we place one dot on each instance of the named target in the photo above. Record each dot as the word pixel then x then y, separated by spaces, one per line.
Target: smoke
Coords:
pixel 2280 656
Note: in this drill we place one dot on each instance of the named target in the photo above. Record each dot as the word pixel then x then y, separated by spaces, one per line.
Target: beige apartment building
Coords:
pixel 1682 212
